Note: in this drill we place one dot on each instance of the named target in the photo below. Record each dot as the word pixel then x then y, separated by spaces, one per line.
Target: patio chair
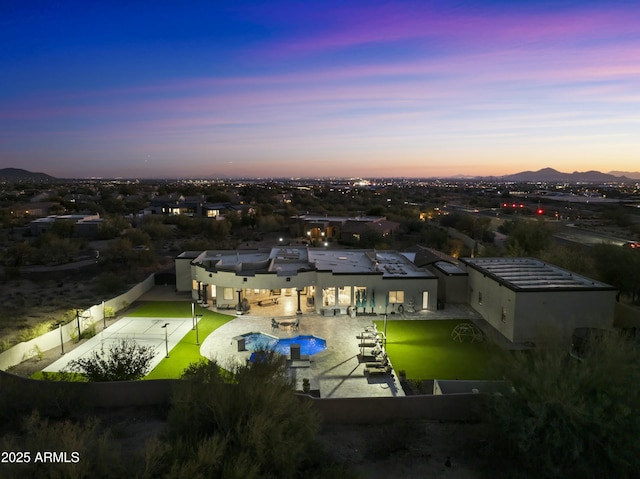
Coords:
pixel 296 324
pixel 274 324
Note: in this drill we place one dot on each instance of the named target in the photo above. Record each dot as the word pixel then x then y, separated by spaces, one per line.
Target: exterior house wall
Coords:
pixel 539 316
pixel 545 317
pixel 488 298
pixel 257 277
pixel 183 274
pixel 452 288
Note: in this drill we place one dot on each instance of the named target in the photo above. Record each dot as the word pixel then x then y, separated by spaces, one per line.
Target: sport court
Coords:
pixel 145 331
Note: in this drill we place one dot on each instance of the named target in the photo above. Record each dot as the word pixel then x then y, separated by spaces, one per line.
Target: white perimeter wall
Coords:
pixel 29 349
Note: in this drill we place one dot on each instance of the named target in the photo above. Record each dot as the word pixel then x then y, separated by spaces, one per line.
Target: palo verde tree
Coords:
pixel 125 360
pixel 569 417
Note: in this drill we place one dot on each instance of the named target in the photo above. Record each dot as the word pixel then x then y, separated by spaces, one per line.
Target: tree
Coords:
pixel 569 417
pixel 246 423
pixel 619 267
pixel 125 360
pixel 526 238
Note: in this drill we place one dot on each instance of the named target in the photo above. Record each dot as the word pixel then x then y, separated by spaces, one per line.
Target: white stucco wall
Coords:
pixel 539 316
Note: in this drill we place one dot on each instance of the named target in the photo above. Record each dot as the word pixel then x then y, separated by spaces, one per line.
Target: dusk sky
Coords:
pixel 307 89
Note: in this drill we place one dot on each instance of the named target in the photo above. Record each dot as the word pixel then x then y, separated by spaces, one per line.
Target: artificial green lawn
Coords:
pixel 186 351
pixel 425 350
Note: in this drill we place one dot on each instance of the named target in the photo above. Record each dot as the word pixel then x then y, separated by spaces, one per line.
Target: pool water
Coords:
pixel 309 345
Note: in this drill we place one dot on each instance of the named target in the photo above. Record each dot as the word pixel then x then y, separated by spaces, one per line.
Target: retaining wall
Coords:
pixel 29 349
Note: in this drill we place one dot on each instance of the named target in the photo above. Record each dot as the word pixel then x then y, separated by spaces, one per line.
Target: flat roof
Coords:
pixel 449 268
pixel 290 260
pixel 532 274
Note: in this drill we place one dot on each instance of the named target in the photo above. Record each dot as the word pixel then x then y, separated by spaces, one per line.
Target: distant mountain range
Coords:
pixel 549 174
pixel 545 174
pixel 18 174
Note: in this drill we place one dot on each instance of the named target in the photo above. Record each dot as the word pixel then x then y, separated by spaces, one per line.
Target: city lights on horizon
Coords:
pixel 354 89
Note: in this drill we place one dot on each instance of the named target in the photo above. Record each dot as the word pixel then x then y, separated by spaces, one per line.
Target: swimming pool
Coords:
pixel 309 344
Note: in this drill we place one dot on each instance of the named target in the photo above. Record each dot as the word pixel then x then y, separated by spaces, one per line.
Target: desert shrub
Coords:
pixel 36 331
pixel 88 332
pixel 89 450
pixel 245 423
pixel 125 360
pixel 567 417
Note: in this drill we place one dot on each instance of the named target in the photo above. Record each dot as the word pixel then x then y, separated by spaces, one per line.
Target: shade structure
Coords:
pixel 372 301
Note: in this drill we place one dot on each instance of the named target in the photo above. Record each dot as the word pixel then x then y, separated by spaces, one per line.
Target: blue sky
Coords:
pixel 335 88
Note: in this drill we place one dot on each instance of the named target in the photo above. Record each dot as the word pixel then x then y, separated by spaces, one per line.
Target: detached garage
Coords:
pixel 529 301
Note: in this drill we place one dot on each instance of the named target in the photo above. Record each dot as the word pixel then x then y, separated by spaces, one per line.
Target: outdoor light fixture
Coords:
pixel 166 339
pixel 61 340
pixel 78 322
pixel 198 318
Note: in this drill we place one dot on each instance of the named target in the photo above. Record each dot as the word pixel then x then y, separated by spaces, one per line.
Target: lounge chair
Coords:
pixel 371 354
pixel 378 363
pixel 378 371
pixel 368 342
pixel 369 335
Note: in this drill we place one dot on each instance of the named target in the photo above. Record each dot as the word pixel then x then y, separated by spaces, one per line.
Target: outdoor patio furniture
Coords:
pixel 369 342
pixel 378 370
pixel 274 323
pixel 369 335
pixel 381 363
pixel 271 299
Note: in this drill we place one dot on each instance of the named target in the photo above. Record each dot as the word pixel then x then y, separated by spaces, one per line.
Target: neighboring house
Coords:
pixel 529 301
pixel 321 228
pixel 195 207
pixel 333 281
pixel 86 226
pixel 352 230
pixel 35 209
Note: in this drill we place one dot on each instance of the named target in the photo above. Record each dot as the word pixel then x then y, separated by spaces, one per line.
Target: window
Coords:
pixel 228 293
pixel 479 297
pixel 504 315
pixel 344 296
pixel 329 296
pixel 396 297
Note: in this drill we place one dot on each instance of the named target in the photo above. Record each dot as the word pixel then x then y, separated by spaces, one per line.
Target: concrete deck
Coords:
pixel 335 372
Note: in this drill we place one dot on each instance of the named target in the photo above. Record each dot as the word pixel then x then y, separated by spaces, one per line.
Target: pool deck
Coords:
pixel 335 372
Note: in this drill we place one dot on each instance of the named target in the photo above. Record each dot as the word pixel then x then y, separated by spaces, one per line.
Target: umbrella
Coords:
pixel 372 301
pixel 358 303
pixel 364 298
